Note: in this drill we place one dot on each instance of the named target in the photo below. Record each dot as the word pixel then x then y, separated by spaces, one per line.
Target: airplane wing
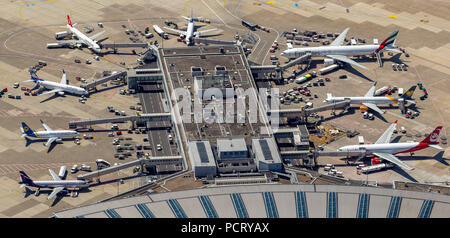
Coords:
pixel 340 39
pixel 391 158
pixel 373 107
pixel 55 191
pixel 47 128
pixel 346 60
pixel 201 32
pixel 386 137
pixel 96 35
pixel 175 30
pixel 63 78
pixel 50 141
pixel 371 91
pixel 52 91
pixel 54 176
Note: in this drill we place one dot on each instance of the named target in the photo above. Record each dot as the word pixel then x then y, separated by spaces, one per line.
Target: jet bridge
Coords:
pixel 304 113
pixel 151 161
pixel 123 45
pixel 273 68
pixel 121 119
pixel 214 41
pixel 105 79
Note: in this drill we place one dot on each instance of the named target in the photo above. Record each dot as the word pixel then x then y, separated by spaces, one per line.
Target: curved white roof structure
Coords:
pixel 273 200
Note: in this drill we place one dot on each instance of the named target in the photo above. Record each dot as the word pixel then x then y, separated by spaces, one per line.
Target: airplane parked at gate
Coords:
pixel 89 41
pixel 371 101
pixel 386 150
pixel 57 184
pixel 53 136
pixel 338 52
pixel 191 31
pixel 54 87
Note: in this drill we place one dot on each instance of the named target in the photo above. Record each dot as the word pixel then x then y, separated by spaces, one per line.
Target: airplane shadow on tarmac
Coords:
pixel 51 147
pixel 58 197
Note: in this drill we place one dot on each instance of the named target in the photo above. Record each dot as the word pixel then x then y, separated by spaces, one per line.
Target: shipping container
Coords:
pixel 381 91
pixel 328 69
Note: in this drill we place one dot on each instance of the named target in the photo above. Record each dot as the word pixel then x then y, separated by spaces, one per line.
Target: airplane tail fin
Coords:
pixel 69 22
pixel 25 179
pixel 409 92
pixel 388 42
pixel 26 131
pixel 433 137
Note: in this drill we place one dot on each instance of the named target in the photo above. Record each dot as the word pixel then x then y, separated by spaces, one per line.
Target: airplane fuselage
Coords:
pixel 322 51
pixel 390 148
pixel 61 183
pixel 86 40
pixel 65 87
pixel 190 32
pixel 58 134
pixel 361 100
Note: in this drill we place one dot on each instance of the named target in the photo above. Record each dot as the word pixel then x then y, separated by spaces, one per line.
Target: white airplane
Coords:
pixel 190 33
pixel 90 42
pixel 53 136
pixel 386 150
pixel 54 87
pixel 57 184
pixel 338 52
pixel 371 101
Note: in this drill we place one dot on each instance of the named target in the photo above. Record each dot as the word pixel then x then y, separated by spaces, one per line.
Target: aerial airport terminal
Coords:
pixel 224 109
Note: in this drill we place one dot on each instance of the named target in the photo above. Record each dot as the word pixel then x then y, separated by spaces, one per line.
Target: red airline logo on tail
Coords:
pixel 68 21
pixel 433 137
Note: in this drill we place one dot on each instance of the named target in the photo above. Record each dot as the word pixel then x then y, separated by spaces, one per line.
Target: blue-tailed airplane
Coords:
pixel 53 136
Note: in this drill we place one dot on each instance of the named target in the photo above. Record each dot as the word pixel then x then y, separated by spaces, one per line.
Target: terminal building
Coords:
pixel 266 155
pixel 272 201
pixel 218 86
pixel 297 137
pixel 233 156
pixel 142 76
pixel 202 158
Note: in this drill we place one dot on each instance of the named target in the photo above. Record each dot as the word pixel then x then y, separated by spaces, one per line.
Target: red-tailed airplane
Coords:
pixel 386 150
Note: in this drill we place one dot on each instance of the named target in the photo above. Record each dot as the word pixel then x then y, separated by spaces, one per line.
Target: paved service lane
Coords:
pixel 151 100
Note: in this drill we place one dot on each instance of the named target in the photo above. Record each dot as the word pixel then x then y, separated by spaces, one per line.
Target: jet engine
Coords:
pixel 58 140
pixel 328 61
pixel 61 93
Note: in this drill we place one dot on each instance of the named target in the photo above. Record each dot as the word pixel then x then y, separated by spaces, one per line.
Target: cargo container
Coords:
pixel 328 69
pixel 249 25
pixel 361 140
pixel 381 91
pixel 303 78
pixel 62 172
pixel 376 167
pixel 61 35
pixel 159 31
